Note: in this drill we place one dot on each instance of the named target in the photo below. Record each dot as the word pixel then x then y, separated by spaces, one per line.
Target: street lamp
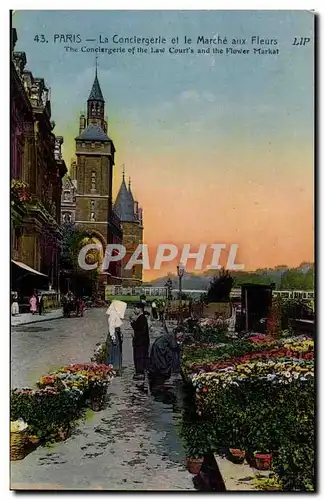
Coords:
pixel 180 271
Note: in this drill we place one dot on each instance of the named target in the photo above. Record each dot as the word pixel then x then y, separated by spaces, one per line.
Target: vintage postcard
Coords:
pixel 162 250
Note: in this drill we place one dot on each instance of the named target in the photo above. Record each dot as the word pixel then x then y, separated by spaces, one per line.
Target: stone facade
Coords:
pixel 68 200
pixel 90 185
pixel 36 160
pixel 93 174
pixel 131 217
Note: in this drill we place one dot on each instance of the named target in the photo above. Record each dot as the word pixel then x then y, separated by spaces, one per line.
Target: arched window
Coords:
pixel 67 217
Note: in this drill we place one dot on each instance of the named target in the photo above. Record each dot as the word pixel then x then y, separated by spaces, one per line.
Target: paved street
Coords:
pixel 131 445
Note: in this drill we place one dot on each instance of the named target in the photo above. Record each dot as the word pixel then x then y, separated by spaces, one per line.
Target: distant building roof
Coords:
pixel 93 133
pixel 124 204
pixel 96 94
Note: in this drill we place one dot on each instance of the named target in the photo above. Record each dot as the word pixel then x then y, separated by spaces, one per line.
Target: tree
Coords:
pixel 220 287
pixel 83 282
pixel 293 279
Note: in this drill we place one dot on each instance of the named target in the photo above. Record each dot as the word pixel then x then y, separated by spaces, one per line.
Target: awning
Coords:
pixel 27 268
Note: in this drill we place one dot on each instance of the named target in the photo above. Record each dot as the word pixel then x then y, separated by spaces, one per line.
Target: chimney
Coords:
pixel 82 123
pixel 73 169
pixel 140 215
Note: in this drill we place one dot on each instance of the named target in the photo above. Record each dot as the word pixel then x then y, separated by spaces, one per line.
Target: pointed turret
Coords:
pixel 96 94
pixel 96 105
pixel 129 189
pixel 124 204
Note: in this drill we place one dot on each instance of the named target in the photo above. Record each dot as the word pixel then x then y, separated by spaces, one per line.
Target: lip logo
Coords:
pixel 165 253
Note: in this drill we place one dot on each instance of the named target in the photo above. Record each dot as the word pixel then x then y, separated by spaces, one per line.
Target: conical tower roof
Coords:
pixel 96 94
pixel 124 204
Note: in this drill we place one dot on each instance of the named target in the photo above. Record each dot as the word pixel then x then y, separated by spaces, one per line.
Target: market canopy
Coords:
pixel 27 268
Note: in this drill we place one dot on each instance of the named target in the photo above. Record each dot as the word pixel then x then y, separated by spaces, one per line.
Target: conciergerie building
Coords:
pixel 87 197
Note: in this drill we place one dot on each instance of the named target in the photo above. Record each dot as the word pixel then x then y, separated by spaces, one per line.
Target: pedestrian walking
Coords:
pixel 154 310
pixel 33 304
pixel 116 313
pixel 141 341
pixel 15 305
pixel 161 310
pixel 40 304
pixel 80 307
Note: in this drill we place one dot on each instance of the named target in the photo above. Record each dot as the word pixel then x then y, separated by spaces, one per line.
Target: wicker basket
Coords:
pixel 17 445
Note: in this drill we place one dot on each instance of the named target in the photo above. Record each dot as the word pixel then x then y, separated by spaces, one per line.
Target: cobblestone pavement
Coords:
pixel 131 445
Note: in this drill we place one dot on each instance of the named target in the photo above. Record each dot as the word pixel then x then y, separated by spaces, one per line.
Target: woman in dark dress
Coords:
pixel 141 341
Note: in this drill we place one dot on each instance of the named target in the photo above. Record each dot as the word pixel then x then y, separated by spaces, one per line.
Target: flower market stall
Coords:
pixel 253 399
pixel 50 409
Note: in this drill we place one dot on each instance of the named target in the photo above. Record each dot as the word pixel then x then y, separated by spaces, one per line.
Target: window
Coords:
pixel 92 211
pixel 93 181
pixel 67 218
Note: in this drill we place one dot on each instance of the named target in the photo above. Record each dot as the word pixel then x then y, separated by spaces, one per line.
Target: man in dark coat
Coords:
pixel 163 358
pixel 141 341
pixel 40 303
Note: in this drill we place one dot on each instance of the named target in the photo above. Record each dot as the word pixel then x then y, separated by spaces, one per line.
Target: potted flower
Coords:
pixel 195 461
pixel 236 455
pixel 196 443
pixel 262 460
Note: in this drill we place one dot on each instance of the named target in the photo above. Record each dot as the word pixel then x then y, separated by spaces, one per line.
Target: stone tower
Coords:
pixel 94 168
pixel 131 217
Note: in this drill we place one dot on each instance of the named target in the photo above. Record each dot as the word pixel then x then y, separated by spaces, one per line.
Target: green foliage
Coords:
pixel 220 287
pixel 289 308
pixel 295 461
pixel 260 416
pixel 72 244
pixel 210 334
pixel 45 411
pixel 72 239
pixel 256 278
pixel 294 279
pixel 194 434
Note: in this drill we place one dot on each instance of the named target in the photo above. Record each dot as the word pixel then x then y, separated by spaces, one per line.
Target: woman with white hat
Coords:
pixel 116 313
